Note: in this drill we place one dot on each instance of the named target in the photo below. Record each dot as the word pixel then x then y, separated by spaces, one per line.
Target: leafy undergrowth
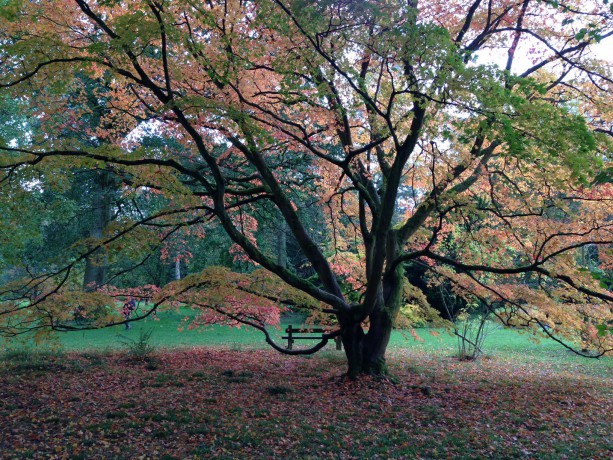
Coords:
pixel 220 403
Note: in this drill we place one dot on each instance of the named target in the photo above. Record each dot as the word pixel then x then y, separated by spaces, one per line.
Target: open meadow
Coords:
pixel 221 393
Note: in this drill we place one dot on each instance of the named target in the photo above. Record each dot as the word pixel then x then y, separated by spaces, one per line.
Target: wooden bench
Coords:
pixel 296 333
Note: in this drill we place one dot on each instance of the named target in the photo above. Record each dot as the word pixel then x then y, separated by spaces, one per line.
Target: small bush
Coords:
pixel 139 348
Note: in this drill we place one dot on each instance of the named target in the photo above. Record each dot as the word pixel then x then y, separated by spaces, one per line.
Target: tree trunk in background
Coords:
pixel 281 241
pixel 96 264
pixel 177 268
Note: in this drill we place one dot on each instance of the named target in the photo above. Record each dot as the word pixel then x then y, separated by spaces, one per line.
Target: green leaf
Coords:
pixel 603 330
pixel 9 9
pixel 604 177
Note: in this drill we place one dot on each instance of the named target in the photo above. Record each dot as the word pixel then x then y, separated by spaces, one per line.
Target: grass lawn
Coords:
pixel 221 393
pixel 501 342
pixel 165 333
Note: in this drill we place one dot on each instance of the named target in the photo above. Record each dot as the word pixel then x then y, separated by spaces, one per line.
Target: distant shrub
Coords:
pixel 139 348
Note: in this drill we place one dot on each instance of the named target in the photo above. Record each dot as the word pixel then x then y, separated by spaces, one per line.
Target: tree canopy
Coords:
pixel 467 139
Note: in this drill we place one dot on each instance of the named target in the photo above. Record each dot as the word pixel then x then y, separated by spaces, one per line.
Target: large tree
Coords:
pixel 471 138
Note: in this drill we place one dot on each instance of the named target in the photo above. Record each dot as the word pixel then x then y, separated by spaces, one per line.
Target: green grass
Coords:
pixel 165 334
pixel 507 344
pixel 169 330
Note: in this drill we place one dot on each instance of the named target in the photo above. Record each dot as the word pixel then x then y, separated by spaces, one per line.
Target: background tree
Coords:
pixel 389 113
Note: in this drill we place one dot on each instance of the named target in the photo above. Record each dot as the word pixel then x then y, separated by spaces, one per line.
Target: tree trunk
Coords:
pixel 376 342
pixel 365 351
pixel 96 264
pixel 177 268
pixel 281 241
pixel 352 336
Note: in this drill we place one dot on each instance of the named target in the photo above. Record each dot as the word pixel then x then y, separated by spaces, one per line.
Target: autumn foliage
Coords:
pixel 387 137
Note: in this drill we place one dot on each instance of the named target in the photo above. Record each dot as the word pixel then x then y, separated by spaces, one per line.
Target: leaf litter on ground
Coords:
pixel 223 403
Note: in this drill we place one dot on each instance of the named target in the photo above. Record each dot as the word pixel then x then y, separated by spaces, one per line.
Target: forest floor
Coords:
pixel 230 403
